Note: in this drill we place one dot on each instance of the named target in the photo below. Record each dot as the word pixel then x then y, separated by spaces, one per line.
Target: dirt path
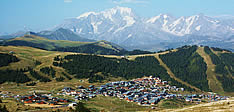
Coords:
pixel 172 75
pixel 214 84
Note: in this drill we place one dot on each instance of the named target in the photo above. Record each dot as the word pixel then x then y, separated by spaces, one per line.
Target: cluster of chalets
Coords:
pixel 43 99
pixel 144 91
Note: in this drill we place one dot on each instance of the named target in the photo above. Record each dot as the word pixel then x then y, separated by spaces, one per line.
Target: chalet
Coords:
pixel 11 52
pixel 23 98
pixel 67 89
pixel 91 86
pixel 31 96
pixel 196 100
pixel 53 103
pixel 36 99
pixel 188 99
pixel 130 99
pixel 44 98
pixel 40 102
pixel 81 97
pixel 72 104
pixel 28 101
pixel 153 102
pixel 81 87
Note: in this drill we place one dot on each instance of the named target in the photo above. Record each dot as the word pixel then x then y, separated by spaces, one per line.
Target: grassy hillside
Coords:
pixel 194 65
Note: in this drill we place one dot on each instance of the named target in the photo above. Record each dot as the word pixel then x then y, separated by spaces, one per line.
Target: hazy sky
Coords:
pixel 43 14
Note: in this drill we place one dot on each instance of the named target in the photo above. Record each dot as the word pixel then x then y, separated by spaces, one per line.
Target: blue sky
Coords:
pixel 43 14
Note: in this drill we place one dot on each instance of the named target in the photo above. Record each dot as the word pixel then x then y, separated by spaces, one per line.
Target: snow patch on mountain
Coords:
pixel 189 22
pixel 129 35
pixel 198 28
pixel 129 22
pixel 153 19
pixel 95 26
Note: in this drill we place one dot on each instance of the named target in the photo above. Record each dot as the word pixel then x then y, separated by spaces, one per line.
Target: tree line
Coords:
pixel 219 49
pixel 6 59
pixel 49 71
pixel 17 76
pixel 95 49
pixel 37 76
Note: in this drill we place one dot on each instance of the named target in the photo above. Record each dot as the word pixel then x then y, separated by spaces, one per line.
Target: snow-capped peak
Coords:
pixel 160 16
pixel 123 10
pixel 118 11
pixel 109 13
pixel 86 15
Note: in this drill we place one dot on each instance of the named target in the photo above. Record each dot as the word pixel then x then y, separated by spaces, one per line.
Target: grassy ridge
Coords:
pixel 43 43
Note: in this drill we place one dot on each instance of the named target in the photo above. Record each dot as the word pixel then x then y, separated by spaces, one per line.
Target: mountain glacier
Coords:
pixel 121 26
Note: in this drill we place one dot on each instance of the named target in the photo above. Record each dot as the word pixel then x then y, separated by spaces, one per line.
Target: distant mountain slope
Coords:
pixel 58 34
pixel 17 34
pixel 62 34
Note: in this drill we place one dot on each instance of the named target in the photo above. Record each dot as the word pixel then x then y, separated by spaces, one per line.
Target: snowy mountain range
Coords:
pixel 121 26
